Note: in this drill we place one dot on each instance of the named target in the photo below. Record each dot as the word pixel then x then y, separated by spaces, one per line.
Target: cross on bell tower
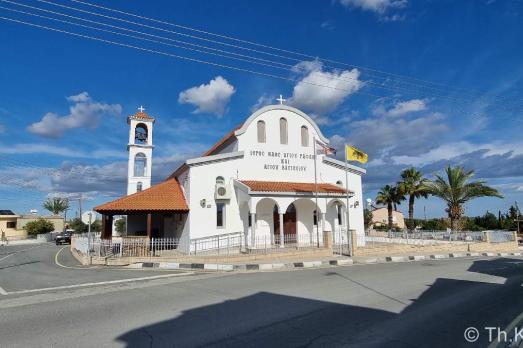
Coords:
pixel 140 149
pixel 281 99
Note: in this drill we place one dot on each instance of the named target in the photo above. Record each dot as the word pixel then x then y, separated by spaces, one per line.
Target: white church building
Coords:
pixel 261 181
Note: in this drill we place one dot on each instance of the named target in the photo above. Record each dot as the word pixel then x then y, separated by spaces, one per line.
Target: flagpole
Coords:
pixel 316 194
pixel 349 235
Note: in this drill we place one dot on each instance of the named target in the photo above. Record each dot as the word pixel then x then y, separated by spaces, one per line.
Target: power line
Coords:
pixel 376 85
pixel 179 33
pixel 193 59
pixel 304 55
pixel 347 79
pixel 94 38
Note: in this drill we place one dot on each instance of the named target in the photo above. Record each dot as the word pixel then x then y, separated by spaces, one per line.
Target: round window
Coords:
pixel 222 191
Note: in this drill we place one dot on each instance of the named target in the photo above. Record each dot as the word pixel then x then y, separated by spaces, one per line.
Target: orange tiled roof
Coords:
pixel 165 196
pixel 278 186
pixel 142 115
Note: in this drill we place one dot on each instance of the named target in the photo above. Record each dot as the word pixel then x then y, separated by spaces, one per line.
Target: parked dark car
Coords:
pixel 63 238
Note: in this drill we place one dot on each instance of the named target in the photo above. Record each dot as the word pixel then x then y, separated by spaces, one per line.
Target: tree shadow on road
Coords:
pixel 437 318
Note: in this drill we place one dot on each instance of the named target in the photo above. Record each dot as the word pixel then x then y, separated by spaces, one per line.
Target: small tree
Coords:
pixel 39 226
pixel 121 226
pixel 96 226
pixel 367 217
pixel 78 226
pixel 56 205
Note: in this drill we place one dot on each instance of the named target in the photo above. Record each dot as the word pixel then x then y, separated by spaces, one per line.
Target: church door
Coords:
pixel 289 224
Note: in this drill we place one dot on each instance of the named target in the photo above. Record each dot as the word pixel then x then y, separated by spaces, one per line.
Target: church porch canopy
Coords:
pixel 164 197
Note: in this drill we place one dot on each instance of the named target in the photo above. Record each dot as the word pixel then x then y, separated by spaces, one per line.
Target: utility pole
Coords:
pixel 80 203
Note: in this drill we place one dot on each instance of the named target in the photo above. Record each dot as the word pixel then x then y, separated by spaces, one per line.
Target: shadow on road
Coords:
pixel 437 318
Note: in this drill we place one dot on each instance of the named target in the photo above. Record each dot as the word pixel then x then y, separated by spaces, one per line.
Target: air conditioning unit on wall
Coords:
pixel 222 191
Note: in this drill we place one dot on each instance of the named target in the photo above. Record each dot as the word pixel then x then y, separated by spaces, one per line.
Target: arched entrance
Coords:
pixel 289 223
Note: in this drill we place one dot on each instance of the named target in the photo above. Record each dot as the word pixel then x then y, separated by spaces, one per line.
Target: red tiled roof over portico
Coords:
pixel 296 187
pixel 165 196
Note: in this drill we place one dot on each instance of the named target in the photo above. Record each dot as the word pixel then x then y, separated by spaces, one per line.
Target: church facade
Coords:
pixel 261 181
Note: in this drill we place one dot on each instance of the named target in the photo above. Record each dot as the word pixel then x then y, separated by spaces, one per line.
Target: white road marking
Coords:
pixel 119 281
pixel 2 291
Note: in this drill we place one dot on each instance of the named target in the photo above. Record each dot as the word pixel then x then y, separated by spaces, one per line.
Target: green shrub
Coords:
pixel 39 226
pixel 77 225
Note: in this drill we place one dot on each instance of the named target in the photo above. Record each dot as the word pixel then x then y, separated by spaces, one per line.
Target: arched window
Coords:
pixel 261 131
pixel 220 180
pixel 139 186
pixel 140 134
pixel 304 136
pixel 283 131
pixel 339 183
pixel 315 218
pixel 140 163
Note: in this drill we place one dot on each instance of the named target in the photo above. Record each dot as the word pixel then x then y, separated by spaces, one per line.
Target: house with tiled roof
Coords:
pixel 272 179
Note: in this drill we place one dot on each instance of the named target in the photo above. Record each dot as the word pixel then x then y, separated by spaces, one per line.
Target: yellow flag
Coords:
pixel 354 154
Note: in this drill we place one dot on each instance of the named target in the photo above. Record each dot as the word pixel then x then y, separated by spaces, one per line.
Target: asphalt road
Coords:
pixel 30 267
pixel 417 304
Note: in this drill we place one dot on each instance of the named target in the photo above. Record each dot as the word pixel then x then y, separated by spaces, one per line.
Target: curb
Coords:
pixel 312 264
pixel 244 267
pixel 395 259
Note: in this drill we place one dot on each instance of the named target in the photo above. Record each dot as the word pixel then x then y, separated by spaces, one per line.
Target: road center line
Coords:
pixel 2 291
pixel 119 281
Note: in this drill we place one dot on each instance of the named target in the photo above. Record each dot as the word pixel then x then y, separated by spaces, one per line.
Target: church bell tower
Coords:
pixel 140 148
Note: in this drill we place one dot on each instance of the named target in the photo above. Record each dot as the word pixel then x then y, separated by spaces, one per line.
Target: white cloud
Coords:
pixel 384 136
pixel 211 98
pixel 401 108
pixel 455 149
pixel 378 6
pixel 84 113
pixel 320 91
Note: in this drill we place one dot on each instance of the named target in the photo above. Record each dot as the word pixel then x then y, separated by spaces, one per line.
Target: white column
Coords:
pixel 253 230
pixel 282 242
pixel 322 223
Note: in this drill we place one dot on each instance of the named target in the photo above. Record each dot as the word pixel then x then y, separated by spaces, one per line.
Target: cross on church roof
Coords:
pixel 281 100
pixel 141 109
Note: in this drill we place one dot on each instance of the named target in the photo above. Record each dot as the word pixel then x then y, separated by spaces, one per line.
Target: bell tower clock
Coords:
pixel 140 148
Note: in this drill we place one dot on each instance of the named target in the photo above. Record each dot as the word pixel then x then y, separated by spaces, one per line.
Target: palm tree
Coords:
pixel 457 189
pixel 398 197
pixel 389 196
pixel 414 185
pixel 56 205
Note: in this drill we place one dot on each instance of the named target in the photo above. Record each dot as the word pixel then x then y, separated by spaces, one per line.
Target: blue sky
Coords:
pixel 425 83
